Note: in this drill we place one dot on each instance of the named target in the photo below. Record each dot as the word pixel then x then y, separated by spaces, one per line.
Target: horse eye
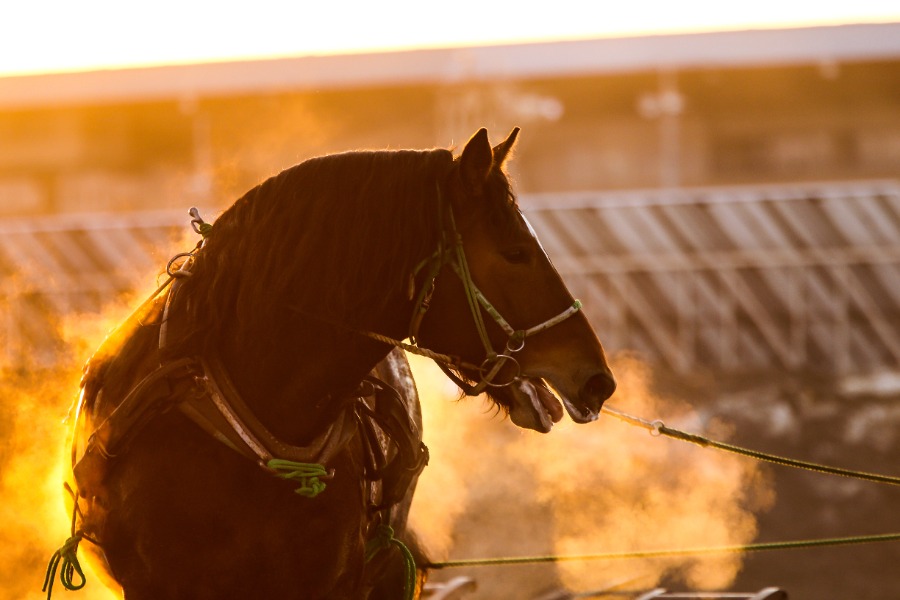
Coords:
pixel 515 255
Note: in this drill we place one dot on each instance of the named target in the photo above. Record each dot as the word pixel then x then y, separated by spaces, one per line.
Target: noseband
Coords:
pixel 450 252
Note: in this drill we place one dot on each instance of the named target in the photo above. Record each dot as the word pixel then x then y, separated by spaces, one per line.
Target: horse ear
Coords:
pixel 476 160
pixel 503 150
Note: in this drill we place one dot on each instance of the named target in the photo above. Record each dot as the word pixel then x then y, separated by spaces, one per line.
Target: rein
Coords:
pixel 451 252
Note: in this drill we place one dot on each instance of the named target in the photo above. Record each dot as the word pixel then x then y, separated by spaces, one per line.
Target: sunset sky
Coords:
pixel 62 35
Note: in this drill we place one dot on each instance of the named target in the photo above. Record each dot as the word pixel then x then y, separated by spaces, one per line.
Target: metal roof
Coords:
pixel 795 277
pixel 811 45
pixel 802 277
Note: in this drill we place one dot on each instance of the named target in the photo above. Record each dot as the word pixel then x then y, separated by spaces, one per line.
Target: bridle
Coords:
pixel 450 252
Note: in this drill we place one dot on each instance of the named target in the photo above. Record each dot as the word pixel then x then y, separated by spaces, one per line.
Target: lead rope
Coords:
pixel 658 428
pixel 767 546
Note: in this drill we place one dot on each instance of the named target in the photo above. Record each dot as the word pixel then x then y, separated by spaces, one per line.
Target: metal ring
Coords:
pixel 180 272
pixel 517 348
pixel 487 364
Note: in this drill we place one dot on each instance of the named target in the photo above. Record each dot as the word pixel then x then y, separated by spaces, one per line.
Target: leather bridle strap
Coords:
pixel 451 252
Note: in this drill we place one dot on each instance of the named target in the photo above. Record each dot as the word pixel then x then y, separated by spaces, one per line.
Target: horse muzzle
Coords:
pixel 591 397
pixel 533 406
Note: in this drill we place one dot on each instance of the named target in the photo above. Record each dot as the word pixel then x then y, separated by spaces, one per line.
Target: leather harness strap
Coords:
pixel 154 394
pixel 222 412
pixel 202 390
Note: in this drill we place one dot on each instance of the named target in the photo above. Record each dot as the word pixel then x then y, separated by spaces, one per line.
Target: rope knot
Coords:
pixel 68 556
pixel 384 537
pixel 204 229
pixel 309 475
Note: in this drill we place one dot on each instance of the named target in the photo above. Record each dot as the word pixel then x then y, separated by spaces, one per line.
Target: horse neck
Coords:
pixel 295 378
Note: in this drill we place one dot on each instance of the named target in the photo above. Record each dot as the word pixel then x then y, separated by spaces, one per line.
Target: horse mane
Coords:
pixel 310 238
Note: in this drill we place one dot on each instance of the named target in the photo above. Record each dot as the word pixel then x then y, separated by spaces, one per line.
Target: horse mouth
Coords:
pixel 532 405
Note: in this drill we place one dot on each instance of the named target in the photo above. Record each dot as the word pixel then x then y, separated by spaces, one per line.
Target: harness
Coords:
pixel 201 388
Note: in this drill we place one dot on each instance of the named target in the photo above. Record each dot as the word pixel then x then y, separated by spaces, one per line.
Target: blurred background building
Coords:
pixel 726 204
pixel 723 199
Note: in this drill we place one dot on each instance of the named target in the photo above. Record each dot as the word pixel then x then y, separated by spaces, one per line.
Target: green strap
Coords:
pixel 384 538
pixel 308 474
pixel 461 266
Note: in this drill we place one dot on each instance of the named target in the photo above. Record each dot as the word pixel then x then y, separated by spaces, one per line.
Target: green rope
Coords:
pixel 308 474
pixel 518 560
pixel 67 555
pixel 660 428
pixel 204 229
pixel 384 539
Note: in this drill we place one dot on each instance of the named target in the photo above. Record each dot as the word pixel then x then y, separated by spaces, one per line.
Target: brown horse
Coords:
pixel 296 295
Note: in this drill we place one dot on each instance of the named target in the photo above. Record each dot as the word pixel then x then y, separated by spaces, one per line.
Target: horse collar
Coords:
pixel 222 412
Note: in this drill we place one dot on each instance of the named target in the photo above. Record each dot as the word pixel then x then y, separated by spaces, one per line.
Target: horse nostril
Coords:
pixel 599 387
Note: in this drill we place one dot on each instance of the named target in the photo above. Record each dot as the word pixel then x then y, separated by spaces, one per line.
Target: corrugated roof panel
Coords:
pixel 779 276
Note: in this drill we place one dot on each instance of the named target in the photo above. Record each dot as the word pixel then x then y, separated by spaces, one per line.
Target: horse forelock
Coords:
pixel 502 206
pixel 334 237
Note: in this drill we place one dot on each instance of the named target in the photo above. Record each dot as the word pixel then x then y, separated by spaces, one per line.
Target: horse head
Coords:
pixel 420 231
pixel 493 298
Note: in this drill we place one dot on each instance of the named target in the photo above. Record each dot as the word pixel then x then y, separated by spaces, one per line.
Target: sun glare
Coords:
pixel 58 35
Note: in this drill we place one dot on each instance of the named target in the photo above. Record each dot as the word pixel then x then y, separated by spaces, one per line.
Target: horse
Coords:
pixel 279 339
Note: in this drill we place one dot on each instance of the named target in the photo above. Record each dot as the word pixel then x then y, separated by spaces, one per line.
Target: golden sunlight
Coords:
pixel 101 34
pixel 580 490
pixel 35 454
pixel 31 482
